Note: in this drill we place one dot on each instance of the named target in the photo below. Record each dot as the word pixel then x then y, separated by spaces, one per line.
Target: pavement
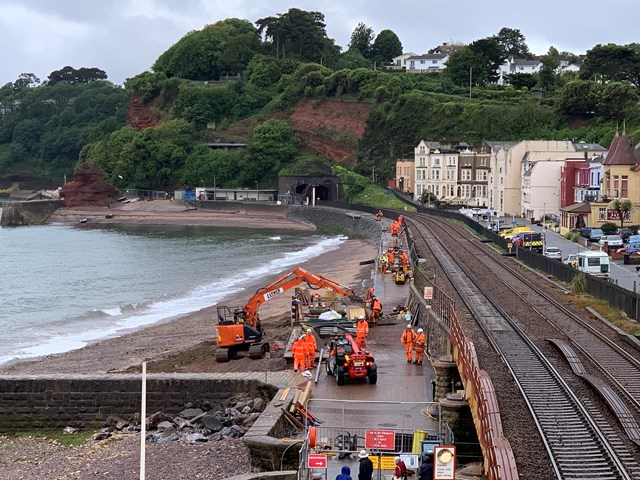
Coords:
pixel 397 402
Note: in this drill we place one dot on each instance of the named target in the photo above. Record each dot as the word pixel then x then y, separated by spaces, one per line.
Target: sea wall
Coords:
pixel 83 401
pixel 35 212
pixel 352 222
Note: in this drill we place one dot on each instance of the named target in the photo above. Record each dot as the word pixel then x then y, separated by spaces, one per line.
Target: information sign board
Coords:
pixel 315 460
pixel 380 440
pixel 444 458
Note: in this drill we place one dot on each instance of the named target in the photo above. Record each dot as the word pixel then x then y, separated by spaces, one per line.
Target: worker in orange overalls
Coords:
pixel 362 330
pixel 408 337
pixel 399 220
pixel 394 229
pixel 391 259
pixel 418 346
pixel 298 351
pixel 404 261
pixel 370 294
pixel 376 309
pixel 310 347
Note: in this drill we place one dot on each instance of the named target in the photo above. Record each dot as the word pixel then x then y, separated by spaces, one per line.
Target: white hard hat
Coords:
pixel 409 326
pixel 308 330
pixel 420 330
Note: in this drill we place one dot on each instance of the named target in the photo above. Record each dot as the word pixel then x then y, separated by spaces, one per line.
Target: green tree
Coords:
pixel 361 40
pixel 520 80
pixel 466 66
pixel 352 59
pixel 513 43
pixel 224 47
pixel 622 206
pixel 612 62
pixel 549 69
pixel 616 100
pixel 73 76
pixel 386 46
pixel 301 34
pixel 264 71
pixel 492 54
pixel 577 99
pixel 271 145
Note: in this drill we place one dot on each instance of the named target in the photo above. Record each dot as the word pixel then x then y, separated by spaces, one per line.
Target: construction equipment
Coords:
pixel 239 328
pixel 348 360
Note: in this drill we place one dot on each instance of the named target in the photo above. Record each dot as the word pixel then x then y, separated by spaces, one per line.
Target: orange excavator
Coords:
pixel 239 328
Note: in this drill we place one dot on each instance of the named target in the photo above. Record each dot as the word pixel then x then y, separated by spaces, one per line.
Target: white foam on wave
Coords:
pixel 275 238
pixel 200 297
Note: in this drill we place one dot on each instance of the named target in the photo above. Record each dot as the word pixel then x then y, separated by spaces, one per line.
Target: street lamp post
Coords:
pixel 214 188
pixel 257 192
pixel 204 185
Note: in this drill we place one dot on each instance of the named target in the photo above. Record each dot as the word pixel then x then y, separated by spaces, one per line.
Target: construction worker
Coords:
pixel 379 215
pixel 383 263
pixel 362 330
pixel 391 259
pixel 376 309
pixel 298 351
pixel 310 349
pixel 408 337
pixel 404 261
pixel 370 294
pixel 394 229
pixel 418 346
pixel 399 220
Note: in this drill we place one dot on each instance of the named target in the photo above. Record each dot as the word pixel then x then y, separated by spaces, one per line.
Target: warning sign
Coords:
pixel 386 462
pixel 428 293
pixel 445 463
pixel 380 440
pixel 315 460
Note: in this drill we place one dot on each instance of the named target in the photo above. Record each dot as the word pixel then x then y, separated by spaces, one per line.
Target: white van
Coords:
pixel 593 263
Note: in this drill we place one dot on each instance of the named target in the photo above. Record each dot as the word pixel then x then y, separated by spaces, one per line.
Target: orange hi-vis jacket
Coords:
pixel 420 341
pixel 310 344
pixel 408 337
pixel 376 306
pixel 362 328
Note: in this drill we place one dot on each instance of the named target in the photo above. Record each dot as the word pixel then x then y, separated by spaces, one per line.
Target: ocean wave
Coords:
pixel 277 237
pixel 72 333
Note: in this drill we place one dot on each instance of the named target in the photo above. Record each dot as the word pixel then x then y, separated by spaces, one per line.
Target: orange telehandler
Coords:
pixel 239 328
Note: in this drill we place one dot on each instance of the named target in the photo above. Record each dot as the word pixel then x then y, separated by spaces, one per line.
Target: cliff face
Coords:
pixel 330 128
pixel 88 187
pixel 139 115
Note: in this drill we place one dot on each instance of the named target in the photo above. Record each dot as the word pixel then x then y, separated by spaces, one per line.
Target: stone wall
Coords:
pixel 35 212
pixel 54 401
pixel 352 222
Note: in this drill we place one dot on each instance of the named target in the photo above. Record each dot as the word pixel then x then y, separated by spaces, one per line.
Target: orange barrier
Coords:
pixel 499 462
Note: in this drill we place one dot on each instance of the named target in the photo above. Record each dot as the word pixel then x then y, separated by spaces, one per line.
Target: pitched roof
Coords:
pixel 620 151
pixel 582 207
pixel 428 56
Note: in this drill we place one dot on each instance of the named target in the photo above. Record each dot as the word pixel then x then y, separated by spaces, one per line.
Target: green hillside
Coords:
pixel 237 81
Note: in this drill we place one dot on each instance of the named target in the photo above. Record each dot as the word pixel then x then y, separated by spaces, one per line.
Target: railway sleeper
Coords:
pixel 611 398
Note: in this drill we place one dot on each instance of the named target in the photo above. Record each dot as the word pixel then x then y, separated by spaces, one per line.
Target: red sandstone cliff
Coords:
pixel 88 187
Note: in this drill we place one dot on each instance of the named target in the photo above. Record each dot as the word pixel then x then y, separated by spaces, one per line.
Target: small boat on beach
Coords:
pixel 83 219
pixel 109 215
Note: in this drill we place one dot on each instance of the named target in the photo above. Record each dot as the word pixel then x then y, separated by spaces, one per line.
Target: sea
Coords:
pixel 64 286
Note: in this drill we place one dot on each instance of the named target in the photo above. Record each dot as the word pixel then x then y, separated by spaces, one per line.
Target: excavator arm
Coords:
pixel 295 277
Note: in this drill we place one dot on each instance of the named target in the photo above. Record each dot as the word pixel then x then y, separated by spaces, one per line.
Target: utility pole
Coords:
pixel 470 80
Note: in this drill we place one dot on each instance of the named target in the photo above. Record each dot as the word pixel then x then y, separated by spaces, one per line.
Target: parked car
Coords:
pixel 632 239
pixel 553 252
pixel 625 233
pixel 585 232
pixel 595 234
pixel 611 240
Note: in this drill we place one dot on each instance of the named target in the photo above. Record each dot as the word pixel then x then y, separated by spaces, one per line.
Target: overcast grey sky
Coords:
pixel 124 37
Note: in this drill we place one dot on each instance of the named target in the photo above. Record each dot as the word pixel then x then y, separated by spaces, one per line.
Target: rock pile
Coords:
pixel 209 422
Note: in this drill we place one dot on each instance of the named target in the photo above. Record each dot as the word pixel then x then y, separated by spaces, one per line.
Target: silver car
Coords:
pixel 553 252
pixel 611 240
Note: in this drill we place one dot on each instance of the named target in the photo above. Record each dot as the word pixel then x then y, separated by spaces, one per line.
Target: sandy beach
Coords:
pixel 186 343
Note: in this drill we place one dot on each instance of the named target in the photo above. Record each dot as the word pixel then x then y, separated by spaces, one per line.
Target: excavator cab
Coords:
pixel 235 335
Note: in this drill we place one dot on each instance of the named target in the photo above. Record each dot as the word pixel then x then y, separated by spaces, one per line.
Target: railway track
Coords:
pixel 580 441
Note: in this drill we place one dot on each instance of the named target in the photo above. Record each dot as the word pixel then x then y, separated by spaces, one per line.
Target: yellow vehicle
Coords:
pixel 508 234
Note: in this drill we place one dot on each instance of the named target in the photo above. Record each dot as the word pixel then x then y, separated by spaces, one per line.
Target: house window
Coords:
pixel 422 149
pixel 465 175
pixel 624 186
pixel 602 214
pixel 481 175
pixel 437 192
pixel 422 162
pixel 436 161
pixel 616 187
pixel 483 162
